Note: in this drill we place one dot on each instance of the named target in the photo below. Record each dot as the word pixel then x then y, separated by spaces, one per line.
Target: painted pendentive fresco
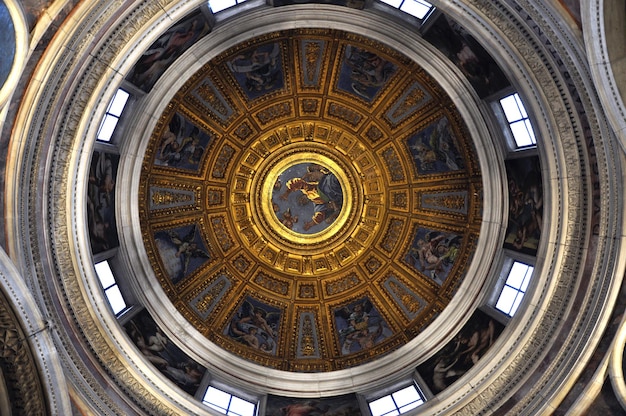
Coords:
pixel 468 55
pixel 157 59
pixel 364 73
pixel 435 149
pixel 101 202
pixel 182 251
pixel 307 198
pixel 259 70
pixel 7 40
pixel 525 205
pixel 433 253
pixel 460 354
pixel 183 144
pixel 346 405
pixel 163 354
pixel 256 325
pixel 360 326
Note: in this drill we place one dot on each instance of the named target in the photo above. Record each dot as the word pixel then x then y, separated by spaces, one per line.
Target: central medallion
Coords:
pixel 318 199
pixel 301 200
pixel 306 195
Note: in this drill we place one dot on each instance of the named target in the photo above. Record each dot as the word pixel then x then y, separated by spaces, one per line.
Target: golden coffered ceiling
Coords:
pixel 310 200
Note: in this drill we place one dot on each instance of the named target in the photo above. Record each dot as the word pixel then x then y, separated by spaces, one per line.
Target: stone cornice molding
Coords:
pixel 604 34
pixel 573 292
pixel 31 368
pixel 616 365
pixel 46 153
pixel 578 268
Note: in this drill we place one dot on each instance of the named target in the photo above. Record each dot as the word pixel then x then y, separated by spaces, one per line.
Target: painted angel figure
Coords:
pixel 255 327
pixel 187 248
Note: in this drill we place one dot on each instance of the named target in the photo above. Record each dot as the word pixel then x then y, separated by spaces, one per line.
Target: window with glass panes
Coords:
pixel 397 403
pixel 111 290
pixel 417 8
pixel 112 116
pixel 227 403
pixel 518 120
pixel 514 288
pixel 219 5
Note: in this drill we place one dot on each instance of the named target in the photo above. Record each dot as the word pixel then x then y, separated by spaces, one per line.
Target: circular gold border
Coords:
pixel 288 240
pixel 303 158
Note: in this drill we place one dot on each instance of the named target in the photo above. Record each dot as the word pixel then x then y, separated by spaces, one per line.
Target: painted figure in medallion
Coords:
pixel 182 145
pixel 435 149
pixel 468 55
pixel 364 73
pixel 525 204
pixel 461 353
pixel 162 53
pixel 170 360
pixel 345 405
pixel 101 201
pixel 182 251
pixel 320 197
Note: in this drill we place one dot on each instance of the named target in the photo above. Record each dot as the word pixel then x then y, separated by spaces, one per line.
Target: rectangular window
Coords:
pixel 219 5
pixel 227 403
pixel 111 290
pixel 397 403
pixel 518 120
pixel 417 8
pixel 112 116
pixel 514 288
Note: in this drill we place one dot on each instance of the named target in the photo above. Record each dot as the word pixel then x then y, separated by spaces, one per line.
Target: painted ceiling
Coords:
pixel 310 200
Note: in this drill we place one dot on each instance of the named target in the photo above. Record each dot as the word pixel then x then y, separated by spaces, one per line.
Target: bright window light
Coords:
pixel 397 403
pixel 111 290
pixel 112 116
pixel 514 288
pixel 219 5
pixel 518 120
pixel 227 403
pixel 417 8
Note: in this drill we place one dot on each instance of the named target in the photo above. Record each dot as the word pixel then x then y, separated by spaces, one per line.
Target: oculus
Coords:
pixel 318 199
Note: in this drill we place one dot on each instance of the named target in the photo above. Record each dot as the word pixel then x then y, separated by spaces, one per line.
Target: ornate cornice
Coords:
pixel 577 268
pixel 59 104
pixel 30 368
pixel 604 30
pixel 581 267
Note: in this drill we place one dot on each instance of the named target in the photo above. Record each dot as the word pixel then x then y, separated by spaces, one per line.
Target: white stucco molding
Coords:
pixel 616 365
pixel 604 30
pixel 38 339
pixel 54 141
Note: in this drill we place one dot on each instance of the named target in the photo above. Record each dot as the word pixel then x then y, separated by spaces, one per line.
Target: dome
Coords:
pixel 310 200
